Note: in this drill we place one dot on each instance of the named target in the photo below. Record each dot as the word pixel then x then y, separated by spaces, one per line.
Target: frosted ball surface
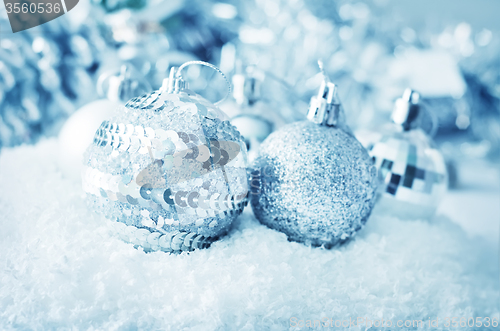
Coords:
pixel 316 184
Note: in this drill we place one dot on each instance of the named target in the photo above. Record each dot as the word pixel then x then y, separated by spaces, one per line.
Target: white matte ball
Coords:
pixel 78 132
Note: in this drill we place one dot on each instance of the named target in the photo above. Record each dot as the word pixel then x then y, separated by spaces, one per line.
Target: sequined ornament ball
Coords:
pixel 313 180
pixel 169 170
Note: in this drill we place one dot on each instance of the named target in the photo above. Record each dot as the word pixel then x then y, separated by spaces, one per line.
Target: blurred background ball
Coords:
pixel 78 132
pixel 117 86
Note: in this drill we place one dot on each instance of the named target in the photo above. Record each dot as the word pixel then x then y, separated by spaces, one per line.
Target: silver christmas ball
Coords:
pixel 412 174
pixel 412 171
pixel 314 181
pixel 169 171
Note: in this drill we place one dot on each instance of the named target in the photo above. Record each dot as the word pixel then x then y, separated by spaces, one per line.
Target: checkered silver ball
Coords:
pixel 412 174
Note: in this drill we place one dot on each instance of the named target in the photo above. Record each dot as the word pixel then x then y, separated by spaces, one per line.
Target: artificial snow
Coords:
pixel 61 267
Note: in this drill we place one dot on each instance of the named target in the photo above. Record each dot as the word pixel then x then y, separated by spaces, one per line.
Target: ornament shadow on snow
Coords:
pixel 313 180
pixel 170 171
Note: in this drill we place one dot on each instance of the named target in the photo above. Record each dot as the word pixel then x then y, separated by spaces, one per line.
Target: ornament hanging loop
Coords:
pixel 322 69
pixel 175 83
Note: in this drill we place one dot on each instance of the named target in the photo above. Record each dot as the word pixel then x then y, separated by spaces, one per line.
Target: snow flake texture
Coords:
pixel 61 267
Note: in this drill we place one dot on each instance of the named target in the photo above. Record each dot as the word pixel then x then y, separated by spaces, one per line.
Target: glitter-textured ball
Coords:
pixel 314 181
pixel 412 171
pixel 170 170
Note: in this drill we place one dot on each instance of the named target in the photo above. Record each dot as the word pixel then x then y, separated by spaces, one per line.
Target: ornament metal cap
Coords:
pixel 325 108
pixel 247 84
pixel 246 89
pixel 174 83
pixel 406 110
pixel 122 86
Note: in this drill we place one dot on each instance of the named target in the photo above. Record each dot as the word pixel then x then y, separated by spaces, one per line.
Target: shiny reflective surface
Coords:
pixel 412 173
pixel 170 168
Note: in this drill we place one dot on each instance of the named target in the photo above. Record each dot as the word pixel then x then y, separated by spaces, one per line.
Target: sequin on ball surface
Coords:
pixel 169 169
pixel 316 184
